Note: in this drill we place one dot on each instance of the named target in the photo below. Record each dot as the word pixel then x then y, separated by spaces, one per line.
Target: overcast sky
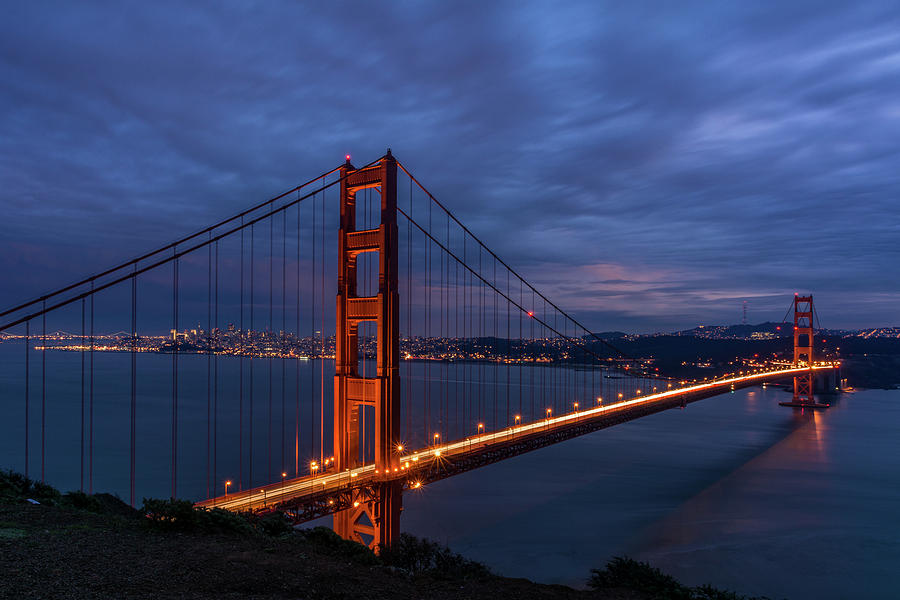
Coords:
pixel 650 166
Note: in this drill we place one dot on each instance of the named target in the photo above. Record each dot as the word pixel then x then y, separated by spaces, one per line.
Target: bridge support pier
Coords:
pixel 375 516
pixel 374 520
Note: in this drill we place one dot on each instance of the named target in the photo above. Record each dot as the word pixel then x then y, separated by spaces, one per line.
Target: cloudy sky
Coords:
pixel 649 165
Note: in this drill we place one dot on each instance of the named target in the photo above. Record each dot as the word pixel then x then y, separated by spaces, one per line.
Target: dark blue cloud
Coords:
pixel 649 166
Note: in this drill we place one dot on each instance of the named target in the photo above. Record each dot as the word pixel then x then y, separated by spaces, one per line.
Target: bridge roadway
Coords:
pixel 313 496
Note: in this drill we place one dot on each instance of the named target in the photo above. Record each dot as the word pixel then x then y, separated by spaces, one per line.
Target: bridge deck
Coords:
pixel 313 496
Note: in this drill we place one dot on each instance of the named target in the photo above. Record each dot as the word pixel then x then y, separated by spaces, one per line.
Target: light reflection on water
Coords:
pixel 735 490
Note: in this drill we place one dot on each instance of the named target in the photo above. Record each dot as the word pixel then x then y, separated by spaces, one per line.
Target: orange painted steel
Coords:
pixel 803 349
pixel 373 516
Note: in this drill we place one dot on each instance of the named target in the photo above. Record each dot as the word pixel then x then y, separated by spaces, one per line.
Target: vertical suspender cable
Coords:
pixel 545 350
pixel 241 373
pixel 445 334
pixel 441 337
pixel 322 362
pixel 409 333
pixel 81 479
pixel 570 370
pixel 312 332
pixel 252 346
pixel 269 336
pixel 533 350
pixel 91 404
pixel 209 261
pixel 468 355
pixel 481 340
pixel 521 346
pixel 566 368
pixel 553 373
pixel 481 335
pixel 43 386
pixel 296 359
pixel 174 375
pixel 593 360
pixel 449 313
pixel 27 387
pixel 458 347
pixel 508 348
pixel 133 379
pixel 496 336
pixel 427 383
pixel 215 429
pixel 283 328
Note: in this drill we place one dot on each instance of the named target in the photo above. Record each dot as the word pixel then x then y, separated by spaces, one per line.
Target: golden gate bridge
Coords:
pixel 434 358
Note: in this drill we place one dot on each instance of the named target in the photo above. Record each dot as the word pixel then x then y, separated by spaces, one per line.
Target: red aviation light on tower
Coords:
pixel 530 313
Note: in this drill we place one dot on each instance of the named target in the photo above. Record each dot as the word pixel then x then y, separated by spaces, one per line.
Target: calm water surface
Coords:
pixel 733 490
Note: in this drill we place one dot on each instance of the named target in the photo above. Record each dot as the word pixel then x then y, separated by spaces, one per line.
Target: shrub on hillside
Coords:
pixel 329 542
pixel 627 573
pixel 274 524
pixel 170 514
pixel 624 572
pixel 424 556
pixel 15 486
pixel 181 515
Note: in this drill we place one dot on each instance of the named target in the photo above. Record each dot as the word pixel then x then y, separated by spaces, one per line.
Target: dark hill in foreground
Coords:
pixel 76 546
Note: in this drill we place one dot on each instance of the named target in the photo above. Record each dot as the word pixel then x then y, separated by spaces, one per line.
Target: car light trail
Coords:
pixel 269 496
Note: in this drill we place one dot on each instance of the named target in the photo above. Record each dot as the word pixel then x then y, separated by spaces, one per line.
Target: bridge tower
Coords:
pixel 804 337
pixel 375 516
pixel 803 347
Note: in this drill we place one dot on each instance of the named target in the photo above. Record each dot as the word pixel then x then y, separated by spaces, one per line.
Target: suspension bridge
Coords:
pixel 319 383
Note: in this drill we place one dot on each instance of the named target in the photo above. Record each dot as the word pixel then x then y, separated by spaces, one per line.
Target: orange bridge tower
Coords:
pixel 374 518
pixel 803 347
pixel 804 338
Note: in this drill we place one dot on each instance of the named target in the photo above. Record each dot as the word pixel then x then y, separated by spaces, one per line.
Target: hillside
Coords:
pixel 75 546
